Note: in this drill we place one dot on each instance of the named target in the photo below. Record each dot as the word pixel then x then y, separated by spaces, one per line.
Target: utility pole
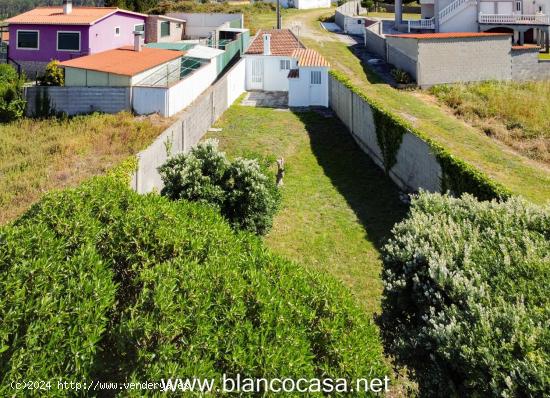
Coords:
pixel 278 14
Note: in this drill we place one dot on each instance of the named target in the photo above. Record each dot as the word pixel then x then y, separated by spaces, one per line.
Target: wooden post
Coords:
pixel 280 171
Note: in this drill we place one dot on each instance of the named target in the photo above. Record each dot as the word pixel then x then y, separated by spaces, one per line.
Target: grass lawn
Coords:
pixel 391 15
pixel 544 56
pixel 518 173
pixel 338 207
pixel 40 155
pixel 514 113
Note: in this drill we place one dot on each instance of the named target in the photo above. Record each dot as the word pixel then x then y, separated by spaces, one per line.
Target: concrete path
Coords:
pixel 266 99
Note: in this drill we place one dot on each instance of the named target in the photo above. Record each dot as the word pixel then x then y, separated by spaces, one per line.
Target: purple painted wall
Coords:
pixel 93 39
pixel 102 35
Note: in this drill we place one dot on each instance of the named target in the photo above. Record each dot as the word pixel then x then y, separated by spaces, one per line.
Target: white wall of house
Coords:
pixel 168 101
pixel 263 72
pixel 236 81
pixel 75 77
pixel 203 24
pixel 303 90
pixel 464 20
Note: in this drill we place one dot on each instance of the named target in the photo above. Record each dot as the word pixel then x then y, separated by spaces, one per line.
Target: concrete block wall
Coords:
pixel 416 165
pixel 374 42
pixel 401 60
pixel 346 17
pixel 188 129
pixel 80 100
pixel 463 60
pixel 527 66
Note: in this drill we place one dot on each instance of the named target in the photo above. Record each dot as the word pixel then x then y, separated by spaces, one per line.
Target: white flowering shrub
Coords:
pixel 245 194
pixel 465 305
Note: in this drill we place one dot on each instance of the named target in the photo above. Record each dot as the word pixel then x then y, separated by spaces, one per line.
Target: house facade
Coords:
pixel 527 20
pixel 277 61
pixel 63 33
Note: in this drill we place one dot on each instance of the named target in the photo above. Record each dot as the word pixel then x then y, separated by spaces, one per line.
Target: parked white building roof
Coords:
pixel 203 52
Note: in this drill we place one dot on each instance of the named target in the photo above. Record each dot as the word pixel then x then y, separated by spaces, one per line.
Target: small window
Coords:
pixel 117 31
pixel 139 28
pixel 284 64
pixel 164 29
pixel 315 77
pixel 68 41
pixel 518 6
pixel 359 21
pixel 27 39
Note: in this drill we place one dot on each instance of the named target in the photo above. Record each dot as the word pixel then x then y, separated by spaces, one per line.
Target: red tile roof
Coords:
pixel 450 35
pixel 124 61
pixel 283 42
pixel 55 16
pixel 526 47
pixel 308 57
pixel 294 73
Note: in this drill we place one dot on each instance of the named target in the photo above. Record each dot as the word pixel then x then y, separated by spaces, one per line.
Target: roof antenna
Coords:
pixel 278 14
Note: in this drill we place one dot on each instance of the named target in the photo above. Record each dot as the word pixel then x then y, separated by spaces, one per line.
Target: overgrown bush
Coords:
pixel 244 193
pixel 466 301
pixel 401 76
pixel 12 103
pixel 101 283
pixel 53 75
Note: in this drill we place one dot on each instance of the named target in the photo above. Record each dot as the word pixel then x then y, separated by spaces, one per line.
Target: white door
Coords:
pixel 316 84
pixel 487 7
pixel 505 8
pixel 257 74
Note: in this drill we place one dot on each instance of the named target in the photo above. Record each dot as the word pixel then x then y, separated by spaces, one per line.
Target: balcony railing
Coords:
pixel 539 19
pixel 422 24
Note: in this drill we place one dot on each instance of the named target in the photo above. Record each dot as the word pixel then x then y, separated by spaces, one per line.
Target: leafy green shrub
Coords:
pixel 466 302
pixel 53 75
pixel 401 76
pixel 12 103
pixel 102 283
pixel 245 195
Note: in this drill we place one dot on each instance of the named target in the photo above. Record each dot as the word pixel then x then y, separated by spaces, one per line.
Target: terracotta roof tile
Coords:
pixel 526 47
pixel 124 61
pixel 283 42
pixel 309 57
pixel 55 16
pixel 294 73
pixel 450 35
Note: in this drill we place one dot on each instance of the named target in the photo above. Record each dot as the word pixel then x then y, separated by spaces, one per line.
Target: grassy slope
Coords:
pixel 39 155
pixel 518 173
pixel 514 113
pixel 337 205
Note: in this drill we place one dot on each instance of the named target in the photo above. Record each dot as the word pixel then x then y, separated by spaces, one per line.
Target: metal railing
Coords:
pixel 538 19
pixel 421 24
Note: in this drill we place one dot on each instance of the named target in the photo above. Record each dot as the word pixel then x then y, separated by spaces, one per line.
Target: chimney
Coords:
pixel 267 44
pixel 67 6
pixel 137 40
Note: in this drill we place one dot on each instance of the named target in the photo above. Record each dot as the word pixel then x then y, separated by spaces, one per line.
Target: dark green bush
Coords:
pixel 12 103
pixel 244 193
pixel 101 283
pixel 466 301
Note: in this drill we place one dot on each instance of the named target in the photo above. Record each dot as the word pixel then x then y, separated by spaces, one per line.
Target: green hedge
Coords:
pixel 466 303
pixel 99 282
pixel 458 176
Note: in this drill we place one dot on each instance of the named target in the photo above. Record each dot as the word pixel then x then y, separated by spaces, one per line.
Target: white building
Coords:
pixel 277 61
pixel 303 4
pixel 527 20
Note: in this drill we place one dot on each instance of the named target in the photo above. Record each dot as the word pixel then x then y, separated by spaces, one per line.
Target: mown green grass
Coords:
pixel 515 113
pixel 391 15
pixel 39 155
pixel 518 173
pixel 338 207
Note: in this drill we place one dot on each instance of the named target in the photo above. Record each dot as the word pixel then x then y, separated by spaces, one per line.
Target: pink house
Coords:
pixel 63 33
